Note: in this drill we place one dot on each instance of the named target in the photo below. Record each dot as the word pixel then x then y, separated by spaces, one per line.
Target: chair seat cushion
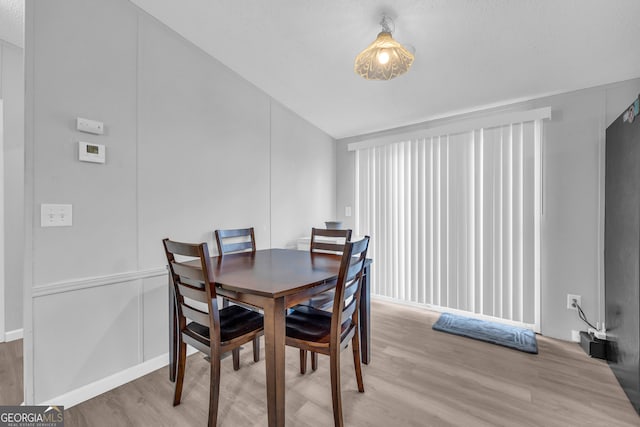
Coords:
pixel 309 324
pixel 234 321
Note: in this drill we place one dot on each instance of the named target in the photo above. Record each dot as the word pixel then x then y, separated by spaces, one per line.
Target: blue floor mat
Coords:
pixel 483 330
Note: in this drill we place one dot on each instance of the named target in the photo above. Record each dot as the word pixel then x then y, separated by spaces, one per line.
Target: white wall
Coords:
pixel 573 196
pixel 190 147
pixel 203 146
pixel 12 93
pixel 303 178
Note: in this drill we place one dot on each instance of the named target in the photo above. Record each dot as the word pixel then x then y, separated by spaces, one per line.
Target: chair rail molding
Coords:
pixel 91 282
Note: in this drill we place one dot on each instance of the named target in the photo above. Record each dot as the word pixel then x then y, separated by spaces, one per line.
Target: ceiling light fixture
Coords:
pixel 385 58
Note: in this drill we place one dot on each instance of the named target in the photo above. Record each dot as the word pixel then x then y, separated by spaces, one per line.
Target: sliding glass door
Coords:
pixel 454 219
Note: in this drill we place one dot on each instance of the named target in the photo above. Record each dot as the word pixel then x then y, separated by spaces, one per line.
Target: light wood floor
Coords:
pixel 417 377
pixel 11 373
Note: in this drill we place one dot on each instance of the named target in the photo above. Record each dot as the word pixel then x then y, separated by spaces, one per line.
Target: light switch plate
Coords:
pixel 89 126
pixel 56 215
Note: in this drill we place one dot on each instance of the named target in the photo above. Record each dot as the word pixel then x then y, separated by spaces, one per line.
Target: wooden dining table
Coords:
pixel 275 280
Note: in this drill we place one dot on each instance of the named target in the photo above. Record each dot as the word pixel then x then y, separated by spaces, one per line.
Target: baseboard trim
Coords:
pixel 440 309
pixel 16 334
pixel 96 388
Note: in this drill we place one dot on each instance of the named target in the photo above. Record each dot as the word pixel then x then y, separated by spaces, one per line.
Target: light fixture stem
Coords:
pixel 387 24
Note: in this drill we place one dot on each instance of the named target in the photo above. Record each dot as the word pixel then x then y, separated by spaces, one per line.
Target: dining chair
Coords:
pixel 323 240
pixel 213 331
pixel 329 240
pixel 328 333
pixel 235 240
pixel 232 241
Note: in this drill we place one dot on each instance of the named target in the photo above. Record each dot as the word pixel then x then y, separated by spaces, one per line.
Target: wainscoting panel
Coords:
pixel 84 335
pixel 155 315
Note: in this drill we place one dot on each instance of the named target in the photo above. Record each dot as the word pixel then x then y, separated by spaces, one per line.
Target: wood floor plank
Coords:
pixel 437 379
pixel 11 373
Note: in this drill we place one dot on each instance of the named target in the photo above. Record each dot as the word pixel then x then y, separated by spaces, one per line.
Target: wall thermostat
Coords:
pixel 88 152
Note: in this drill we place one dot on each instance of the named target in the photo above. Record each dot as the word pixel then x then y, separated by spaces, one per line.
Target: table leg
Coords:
pixel 274 343
pixel 173 326
pixel 365 316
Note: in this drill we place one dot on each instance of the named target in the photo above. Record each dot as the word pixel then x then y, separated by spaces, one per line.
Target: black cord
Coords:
pixel 582 316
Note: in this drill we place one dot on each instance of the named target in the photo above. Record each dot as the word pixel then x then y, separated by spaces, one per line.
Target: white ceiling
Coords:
pixel 470 54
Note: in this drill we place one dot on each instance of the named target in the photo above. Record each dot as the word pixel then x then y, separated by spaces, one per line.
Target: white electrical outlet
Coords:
pixel 570 299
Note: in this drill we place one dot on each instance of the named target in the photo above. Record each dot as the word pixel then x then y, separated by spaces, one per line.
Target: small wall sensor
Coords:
pixel 89 126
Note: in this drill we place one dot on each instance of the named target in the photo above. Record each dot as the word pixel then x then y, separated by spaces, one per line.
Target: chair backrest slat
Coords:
pixel 348 310
pixel 184 249
pixel 198 284
pixel 236 247
pixel 350 289
pixel 354 269
pixel 235 240
pixel 188 273
pixel 200 317
pixel 324 240
pixel 192 292
pixel 235 232
pixel 360 247
pixel 348 286
pixel 329 247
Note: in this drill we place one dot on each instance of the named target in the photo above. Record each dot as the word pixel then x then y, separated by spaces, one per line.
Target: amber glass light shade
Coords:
pixel 384 59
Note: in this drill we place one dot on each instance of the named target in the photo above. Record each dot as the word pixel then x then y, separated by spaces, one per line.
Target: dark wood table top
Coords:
pixel 274 272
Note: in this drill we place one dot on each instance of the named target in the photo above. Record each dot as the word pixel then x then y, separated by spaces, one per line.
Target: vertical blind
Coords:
pixel 454 219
